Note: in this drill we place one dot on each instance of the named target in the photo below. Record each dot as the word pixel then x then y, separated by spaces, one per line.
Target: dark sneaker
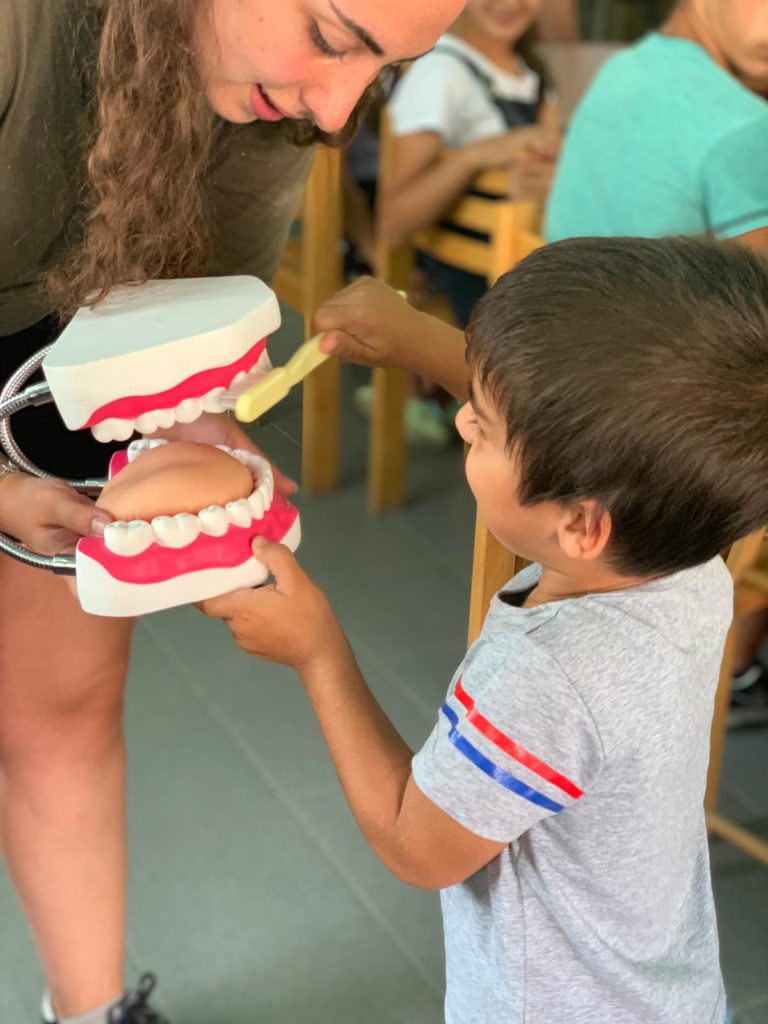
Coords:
pixel 133 1008
pixel 749 697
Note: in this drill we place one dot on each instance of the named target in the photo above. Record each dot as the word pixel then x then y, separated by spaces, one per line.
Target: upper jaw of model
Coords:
pixel 180 530
pixel 159 353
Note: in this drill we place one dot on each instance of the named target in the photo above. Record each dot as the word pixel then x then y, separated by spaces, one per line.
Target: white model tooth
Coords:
pixel 112 430
pixel 212 401
pixel 256 504
pixel 143 444
pixel 147 423
pixel 239 512
pixel 267 481
pixel 224 448
pixel 137 447
pixel 176 531
pixel 214 521
pixel 238 378
pixel 264 364
pixel 128 538
pixel 242 455
pixel 165 418
pixel 188 410
pixel 266 495
pixel 258 466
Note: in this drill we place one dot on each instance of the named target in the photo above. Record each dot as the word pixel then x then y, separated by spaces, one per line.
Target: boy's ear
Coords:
pixel 584 530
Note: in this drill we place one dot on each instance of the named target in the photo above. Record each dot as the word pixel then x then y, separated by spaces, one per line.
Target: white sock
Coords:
pixel 98 1016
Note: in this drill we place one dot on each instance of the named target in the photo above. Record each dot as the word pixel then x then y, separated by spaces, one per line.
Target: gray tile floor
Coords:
pixel 252 894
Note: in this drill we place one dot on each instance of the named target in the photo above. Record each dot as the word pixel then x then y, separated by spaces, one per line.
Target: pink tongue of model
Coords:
pixel 175 477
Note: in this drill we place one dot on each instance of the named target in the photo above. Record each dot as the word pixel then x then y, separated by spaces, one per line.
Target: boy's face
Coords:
pixel 494 479
pixel 741 28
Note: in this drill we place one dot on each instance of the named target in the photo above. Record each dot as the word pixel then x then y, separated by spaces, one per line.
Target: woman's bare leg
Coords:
pixel 62 799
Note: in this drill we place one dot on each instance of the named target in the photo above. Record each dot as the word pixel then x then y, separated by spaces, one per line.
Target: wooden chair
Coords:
pixel 311 270
pixel 511 230
pixel 751 593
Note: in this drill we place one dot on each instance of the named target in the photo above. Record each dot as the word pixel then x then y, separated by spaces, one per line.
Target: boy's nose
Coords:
pixel 461 422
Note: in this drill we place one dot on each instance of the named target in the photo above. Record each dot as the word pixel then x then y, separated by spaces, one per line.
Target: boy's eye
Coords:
pixel 321 43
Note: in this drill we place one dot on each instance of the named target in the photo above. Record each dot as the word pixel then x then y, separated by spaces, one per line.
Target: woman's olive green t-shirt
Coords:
pixel 47 56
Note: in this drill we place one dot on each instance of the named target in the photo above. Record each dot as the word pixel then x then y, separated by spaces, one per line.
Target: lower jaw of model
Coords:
pixel 146 565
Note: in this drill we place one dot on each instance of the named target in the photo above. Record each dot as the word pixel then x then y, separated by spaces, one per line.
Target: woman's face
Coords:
pixel 263 60
pixel 503 19
pixel 740 30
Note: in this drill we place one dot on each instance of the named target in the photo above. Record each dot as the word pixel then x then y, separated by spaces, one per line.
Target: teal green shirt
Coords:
pixel 664 142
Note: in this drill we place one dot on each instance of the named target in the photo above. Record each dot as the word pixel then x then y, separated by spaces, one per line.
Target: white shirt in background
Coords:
pixel 439 93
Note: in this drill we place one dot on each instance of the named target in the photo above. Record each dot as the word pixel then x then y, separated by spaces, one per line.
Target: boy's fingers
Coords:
pixel 330 341
pixel 223 607
pixel 280 562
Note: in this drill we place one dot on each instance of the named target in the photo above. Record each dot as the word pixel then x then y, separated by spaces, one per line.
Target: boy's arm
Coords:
pixel 370 324
pixel 292 623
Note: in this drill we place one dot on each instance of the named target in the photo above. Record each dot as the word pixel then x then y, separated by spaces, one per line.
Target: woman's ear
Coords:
pixel 584 530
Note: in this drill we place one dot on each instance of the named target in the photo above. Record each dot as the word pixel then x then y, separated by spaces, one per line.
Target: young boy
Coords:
pixel 618 434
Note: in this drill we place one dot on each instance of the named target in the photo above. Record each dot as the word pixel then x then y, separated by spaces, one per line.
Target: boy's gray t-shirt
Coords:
pixel 578 733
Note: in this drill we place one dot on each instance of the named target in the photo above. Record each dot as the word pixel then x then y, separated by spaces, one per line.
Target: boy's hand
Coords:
pixel 370 324
pixel 288 621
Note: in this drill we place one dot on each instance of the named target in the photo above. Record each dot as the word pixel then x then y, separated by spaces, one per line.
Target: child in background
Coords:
pixel 672 138
pixel 559 800
pixel 478 100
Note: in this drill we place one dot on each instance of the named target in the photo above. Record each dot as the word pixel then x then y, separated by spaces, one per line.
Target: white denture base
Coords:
pixel 147 339
pixel 101 594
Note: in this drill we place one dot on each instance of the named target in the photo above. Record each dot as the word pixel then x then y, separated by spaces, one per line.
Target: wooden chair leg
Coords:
pixel 492 566
pixel 742 556
pixel 719 725
pixel 320 429
pixel 386 439
pixel 322 270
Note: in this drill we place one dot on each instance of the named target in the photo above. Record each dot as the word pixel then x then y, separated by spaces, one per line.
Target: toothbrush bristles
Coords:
pixel 232 394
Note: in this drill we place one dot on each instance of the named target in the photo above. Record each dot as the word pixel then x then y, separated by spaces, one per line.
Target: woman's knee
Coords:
pixel 62 673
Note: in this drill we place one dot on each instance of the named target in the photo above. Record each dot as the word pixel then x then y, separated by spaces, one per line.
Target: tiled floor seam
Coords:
pixel 427 709
pixel 256 764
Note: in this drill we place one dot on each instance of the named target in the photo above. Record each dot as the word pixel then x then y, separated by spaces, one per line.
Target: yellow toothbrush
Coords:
pixel 261 396
pixel 267 392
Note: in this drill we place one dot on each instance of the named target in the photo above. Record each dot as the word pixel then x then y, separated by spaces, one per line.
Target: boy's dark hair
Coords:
pixel 635 372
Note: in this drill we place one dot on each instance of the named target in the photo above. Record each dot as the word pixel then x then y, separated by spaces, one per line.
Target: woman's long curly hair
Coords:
pixel 153 136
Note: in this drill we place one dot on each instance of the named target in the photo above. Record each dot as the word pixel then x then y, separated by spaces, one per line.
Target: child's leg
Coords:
pixel 62 770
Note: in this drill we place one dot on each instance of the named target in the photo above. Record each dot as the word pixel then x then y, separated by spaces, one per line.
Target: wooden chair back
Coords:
pixel 310 271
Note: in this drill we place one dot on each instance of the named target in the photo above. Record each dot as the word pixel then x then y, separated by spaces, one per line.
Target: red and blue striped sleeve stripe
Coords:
pixel 504 743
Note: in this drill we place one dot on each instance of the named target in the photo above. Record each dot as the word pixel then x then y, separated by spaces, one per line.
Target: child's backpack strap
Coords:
pixel 514 112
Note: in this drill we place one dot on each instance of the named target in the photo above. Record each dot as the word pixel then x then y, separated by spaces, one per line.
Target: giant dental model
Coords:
pixel 143 564
pixel 148 357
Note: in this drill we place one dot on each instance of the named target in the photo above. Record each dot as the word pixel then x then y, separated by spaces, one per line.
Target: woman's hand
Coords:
pixel 47 515
pixel 369 323
pixel 289 622
pixel 218 428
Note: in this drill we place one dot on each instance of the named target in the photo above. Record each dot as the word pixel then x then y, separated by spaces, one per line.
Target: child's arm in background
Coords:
pixel 370 324
pixel 427 178
pixel 291 623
